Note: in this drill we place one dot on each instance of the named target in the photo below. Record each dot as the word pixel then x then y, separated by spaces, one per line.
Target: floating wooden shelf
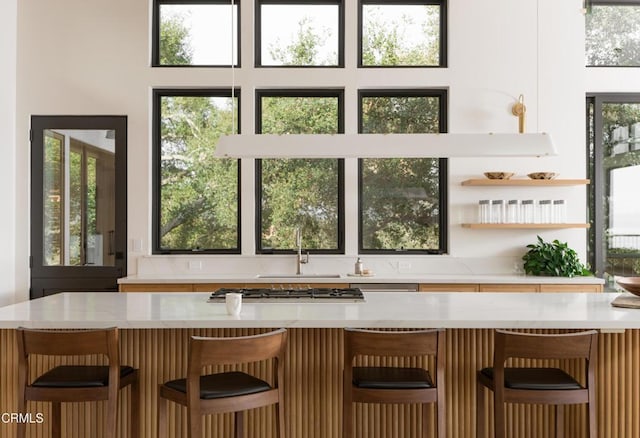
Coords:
pixel 523 226
pixel 525 182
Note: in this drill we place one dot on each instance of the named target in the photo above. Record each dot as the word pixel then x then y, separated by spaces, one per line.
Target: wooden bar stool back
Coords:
pixel 393 384
pixel 539 385
pixel 76 383
pixel 233 391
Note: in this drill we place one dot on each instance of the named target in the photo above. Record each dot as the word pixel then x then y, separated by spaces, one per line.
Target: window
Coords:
pixel 402 33
pixel 53 208
pixel 89 168
pixel 614 169
pixel 78 218
pixel 613 33
pixel 195 33
pixel 403 201
pixel 196 196
pixel 304 193
pixel 305 33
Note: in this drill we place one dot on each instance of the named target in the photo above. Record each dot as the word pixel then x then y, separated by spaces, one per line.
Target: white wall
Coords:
pixel 84 57
pixel 530 48
pixel 92 57
pixel 555 101
pixel 8 40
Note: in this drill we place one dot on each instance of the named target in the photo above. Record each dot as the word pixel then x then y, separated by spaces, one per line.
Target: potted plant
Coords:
pixel 554 259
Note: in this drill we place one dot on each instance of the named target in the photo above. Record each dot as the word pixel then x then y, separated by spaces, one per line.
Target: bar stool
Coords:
pixel 228 391
pixel 539 385
pixel 393 384
pixel 76 383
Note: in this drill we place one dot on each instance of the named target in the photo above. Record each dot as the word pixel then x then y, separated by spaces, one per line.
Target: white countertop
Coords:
pixel 381 309
pixel 345 278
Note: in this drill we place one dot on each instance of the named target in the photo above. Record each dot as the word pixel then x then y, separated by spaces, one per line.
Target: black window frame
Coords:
pixel 595 172
pixel 258 31
pixel 156 162
pixel 443 58
pixel 613 2
pixel 155 32
pixel 591 3
pixel 443 163
pixel 299 92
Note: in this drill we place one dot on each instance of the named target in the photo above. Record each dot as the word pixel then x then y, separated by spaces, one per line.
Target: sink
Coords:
pixel 298 276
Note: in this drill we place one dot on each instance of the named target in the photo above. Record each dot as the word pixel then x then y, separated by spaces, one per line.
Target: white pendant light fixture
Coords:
pixel 384 145
pixel 438 145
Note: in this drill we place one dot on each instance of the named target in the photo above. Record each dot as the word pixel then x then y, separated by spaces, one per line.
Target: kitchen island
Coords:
pixel 155 328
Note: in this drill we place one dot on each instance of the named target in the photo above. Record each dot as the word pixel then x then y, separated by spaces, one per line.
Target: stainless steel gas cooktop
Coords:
pixel 303 295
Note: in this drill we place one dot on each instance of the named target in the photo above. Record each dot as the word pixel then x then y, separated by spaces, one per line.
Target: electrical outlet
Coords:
pixel 195 265
pixel 404 266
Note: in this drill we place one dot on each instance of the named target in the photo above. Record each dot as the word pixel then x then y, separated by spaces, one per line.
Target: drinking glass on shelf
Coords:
pixel 484 211
pixel 528 213
pixel 559 211
pixel 545 211
pixel 497 211
pixel 513 211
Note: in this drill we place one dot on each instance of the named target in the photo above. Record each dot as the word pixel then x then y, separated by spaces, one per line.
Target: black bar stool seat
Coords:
pixel 544 379
pixel 391 378
pixel 220 385
pixel 78 376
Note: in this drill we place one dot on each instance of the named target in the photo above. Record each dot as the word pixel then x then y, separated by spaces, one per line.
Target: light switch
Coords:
pixel 136 245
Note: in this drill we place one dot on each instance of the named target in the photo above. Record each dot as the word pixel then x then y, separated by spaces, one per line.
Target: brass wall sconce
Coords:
pixel 518 109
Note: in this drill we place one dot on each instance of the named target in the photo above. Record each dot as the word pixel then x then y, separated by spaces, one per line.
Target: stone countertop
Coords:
pixel 381 309
pixel 346 278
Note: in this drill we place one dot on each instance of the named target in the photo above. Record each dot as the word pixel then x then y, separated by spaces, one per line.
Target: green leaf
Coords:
pixel 553 259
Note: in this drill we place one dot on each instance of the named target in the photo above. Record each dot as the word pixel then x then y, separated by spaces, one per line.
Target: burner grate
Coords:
pixel 304 295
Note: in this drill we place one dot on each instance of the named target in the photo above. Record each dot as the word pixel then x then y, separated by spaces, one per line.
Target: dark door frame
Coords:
pixel 47 280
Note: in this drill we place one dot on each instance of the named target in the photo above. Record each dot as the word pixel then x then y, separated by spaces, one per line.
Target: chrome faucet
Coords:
pixel 300 260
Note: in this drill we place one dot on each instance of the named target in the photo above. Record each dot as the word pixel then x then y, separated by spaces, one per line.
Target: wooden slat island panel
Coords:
pixel 314 395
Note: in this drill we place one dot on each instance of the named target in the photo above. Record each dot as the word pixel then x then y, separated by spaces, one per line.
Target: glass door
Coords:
pixel 78 203
pixel 614 149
